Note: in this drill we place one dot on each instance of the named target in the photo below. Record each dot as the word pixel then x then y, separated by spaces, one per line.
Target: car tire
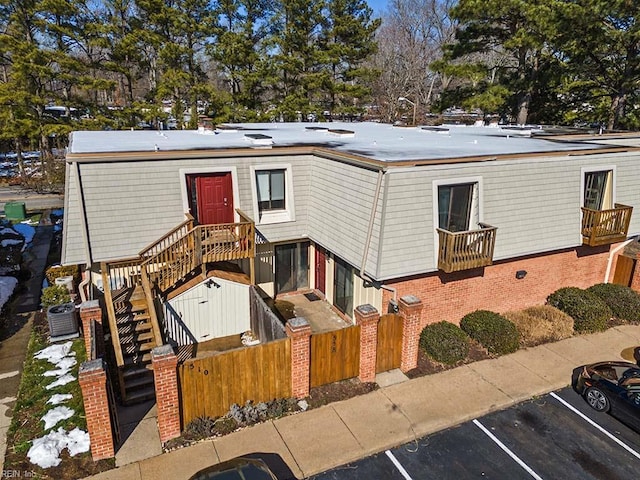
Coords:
pixel 597 399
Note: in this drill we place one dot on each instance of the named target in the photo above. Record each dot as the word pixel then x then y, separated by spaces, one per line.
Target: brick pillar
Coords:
pixel 299 331
pixel 93 383
pixel 91 311
pixel 410 308
pixel 367 317
pixel 635 279
pixel 165 376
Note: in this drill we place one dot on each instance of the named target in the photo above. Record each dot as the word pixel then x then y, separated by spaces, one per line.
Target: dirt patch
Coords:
pixel 428 366
pixel 334 392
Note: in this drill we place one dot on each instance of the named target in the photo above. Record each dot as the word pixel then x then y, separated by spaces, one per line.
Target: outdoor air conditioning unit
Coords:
pixel 63 320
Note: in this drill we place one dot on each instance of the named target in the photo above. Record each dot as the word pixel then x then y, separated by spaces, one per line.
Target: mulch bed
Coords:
pixel 334 392
pixel 428 366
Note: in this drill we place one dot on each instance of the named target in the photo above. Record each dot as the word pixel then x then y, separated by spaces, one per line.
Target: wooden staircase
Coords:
pixel 132 285
pixel 137 339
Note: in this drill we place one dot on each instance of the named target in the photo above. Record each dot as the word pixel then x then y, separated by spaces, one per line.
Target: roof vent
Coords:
pixel 339 132
pixel 316 129
pixel 258 139
pixel 435 129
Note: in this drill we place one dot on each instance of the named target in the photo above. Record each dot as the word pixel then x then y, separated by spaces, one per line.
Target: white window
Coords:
pixel 272 193
pixel 597 191
pixel 457 204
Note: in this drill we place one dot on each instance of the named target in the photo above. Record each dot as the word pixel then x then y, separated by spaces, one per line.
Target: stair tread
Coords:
pixel 136 382
pixel 132 359
pixel 137 371
pixel 140 395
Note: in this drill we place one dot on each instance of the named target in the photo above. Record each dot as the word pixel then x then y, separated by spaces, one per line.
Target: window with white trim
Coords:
pixel 598 190
pixel 272 193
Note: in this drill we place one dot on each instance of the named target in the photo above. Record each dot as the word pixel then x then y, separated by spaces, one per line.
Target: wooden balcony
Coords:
pixel 466 250
pixel 602 227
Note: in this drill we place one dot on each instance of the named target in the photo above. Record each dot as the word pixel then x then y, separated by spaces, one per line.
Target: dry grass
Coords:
pixel 541 324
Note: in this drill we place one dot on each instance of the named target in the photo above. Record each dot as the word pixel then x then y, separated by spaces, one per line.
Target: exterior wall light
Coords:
pixel 520 274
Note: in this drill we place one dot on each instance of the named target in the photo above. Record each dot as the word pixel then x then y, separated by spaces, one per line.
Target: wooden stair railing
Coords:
pixel 168 239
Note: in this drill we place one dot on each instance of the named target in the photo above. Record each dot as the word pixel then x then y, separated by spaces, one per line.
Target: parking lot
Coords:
pixel 556 436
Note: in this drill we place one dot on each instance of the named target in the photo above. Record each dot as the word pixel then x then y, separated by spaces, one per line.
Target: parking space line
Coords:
pixel 584 417
pixel 397 464
pixel 507 451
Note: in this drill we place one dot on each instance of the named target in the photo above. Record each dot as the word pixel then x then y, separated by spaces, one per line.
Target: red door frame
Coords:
pixel 212 198
pixel 321 269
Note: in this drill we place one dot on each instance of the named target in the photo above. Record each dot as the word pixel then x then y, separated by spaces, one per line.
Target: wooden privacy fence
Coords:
pixel 210 385
pixel 335 356
pixel 389 347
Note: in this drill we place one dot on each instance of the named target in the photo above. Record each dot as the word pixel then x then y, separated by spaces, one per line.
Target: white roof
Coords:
pixel 373 140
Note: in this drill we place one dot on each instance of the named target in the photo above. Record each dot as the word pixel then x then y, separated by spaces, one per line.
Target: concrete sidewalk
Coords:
pixel 323 438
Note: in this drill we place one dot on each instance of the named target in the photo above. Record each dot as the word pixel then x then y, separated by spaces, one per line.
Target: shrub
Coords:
pixel 445 342
pixel 58 271
pixel 541 324
pixel 589 312
pixel 623 302
pixel 54 295
pixel 494 332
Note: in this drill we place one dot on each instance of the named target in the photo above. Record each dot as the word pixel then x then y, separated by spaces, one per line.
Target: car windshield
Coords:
pixel 242 472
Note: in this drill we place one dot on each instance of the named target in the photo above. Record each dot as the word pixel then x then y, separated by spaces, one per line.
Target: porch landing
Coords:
pixel 319 313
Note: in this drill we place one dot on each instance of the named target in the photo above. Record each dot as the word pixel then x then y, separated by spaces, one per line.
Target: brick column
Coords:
pixel 299 331
pixel 93 383
pixel 410 308
pixel 635 279
pixel 367 317
pixel 91 311
pixel 165 376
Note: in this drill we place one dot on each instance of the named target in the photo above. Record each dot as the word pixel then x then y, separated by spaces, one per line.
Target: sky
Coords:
pixel 379 6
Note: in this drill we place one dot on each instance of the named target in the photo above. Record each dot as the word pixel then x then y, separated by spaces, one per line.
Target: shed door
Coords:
pixel 213 198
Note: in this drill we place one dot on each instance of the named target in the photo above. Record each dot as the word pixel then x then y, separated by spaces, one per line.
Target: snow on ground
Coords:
pixel 7 286
pixel 27 231
pixel 59 398
pixel 45 451
pixel 55 415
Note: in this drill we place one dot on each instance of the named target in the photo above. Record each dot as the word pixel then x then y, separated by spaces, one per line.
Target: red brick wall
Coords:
pixel 165 377
pixel 93 383
pixel 451 296
pixel 367 317
pixel 299 331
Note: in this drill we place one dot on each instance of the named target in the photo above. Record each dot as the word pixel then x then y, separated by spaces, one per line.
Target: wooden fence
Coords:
pixel 210 385
pixel 335 356
pixel 389 348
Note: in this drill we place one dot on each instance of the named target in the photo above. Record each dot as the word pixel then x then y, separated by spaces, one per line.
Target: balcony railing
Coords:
pixel 466 250
pixel 602 227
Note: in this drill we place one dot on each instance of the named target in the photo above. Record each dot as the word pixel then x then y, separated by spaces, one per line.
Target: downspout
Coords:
pixel 363 275
pixel 611 254
pixel 85 231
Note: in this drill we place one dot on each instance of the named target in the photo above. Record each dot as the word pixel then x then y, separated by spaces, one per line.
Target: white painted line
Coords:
pixel 400 468
pixel 7 400
pixel 507 451
pixel 9 374
pixel 584 417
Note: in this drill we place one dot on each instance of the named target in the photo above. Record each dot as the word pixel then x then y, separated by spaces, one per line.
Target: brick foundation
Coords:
pixel 93 383
pixel 165 375
pixel 451 296
pixel 91 311
pixel 299 331
pixel 410 308
pixel 367 317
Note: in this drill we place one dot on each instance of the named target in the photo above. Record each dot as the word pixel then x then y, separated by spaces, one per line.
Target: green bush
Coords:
pixel 54 295
pixel 58 271
pixel 444 342
pixel 589 312
pixel 623 302
pixel 541 324
pixel 494 332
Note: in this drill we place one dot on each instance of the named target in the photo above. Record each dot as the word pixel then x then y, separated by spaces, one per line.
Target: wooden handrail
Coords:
pixel 111 314
pixel 153 317
pixel 170 237
pixel 601 227
pixel 467 249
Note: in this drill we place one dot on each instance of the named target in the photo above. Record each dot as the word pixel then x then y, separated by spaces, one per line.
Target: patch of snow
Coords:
pixel 63 380
pixel 55 353
pixel 55 415
pixel 27 231
pixel 56 373
pixel 64 366
pixel 45 451
pixel 59 398
pixel 7 286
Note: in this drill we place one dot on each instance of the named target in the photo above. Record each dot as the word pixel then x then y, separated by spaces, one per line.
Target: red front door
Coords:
pixel 214 198
pixel 321 267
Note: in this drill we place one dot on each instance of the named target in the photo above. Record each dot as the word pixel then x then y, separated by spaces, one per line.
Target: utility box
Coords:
pixel 15 210
pixel 63 321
